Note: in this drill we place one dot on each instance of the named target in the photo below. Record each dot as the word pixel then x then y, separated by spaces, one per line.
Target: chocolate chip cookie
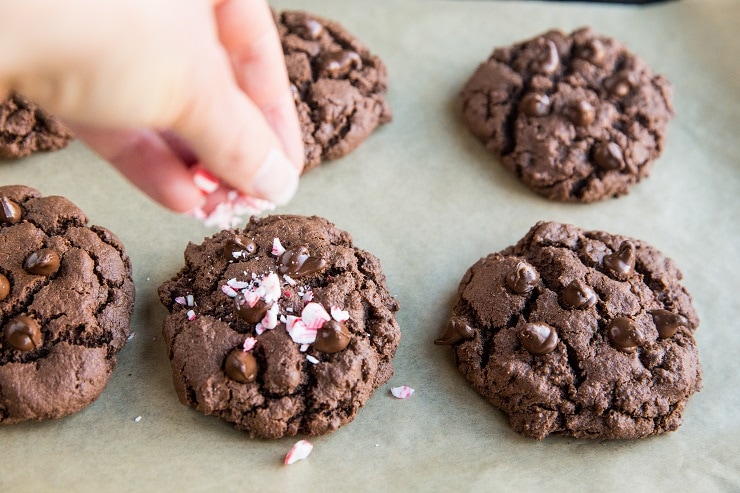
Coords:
pixel 66 298
pixel 283 327
pixel 338 85
pixel 577 117
pixel 579 333
pixel 26 128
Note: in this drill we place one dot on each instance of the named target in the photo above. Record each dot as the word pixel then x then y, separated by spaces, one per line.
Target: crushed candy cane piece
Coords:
pixel 304 347
pixel 228 214
pixel 251 297
pixel 234 284
pixel 259 329
pixel 339 315
pixel 206 182
pixel 271 287
pixel 191 315
pixel 131 336
pixel 300 450
pixel 249 343
pixel 137 419
pixel 277 248
pixel 402 392
pixel 190 299
pixel 314 316
pixel 180 300
pixel 289 280
pixel 307 297
pixel 270 320
pixel 299 332
pixel 283 319
pixel 229 291
pixel 312 359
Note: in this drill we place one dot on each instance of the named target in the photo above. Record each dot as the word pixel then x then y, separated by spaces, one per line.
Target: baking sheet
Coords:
pixel 426 198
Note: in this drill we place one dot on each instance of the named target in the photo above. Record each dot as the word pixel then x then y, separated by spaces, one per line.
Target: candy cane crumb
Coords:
pixel 300 450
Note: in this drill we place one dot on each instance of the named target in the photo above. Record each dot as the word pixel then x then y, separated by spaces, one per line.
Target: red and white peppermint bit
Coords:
pixel 304 347
pixel 299 332
pixel 339 315
pixel 228 214
pixel 251 297
pixel 229 291
pixel 300 450
pixel 402 392
pixel 206 182
pixel 312 359
pixel 259 329
pixel 277 247
pixel 191 315
pixel 249 343
pixel 270 320
pixel 190 300
pixel 180 300
pixel 314 316
pixel 307 296
pixel 289 280
pixel 271 286
pixel 234 284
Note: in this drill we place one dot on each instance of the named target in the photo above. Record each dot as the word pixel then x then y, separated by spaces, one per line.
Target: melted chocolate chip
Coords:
pixel 621 264
pixel 608 156
pixel 4 287
pixel 297 262
pixel 238 248
pixel 522 279
pixel 250 314
pixel 582 113
pixel 538 338
pixel 44 262
pixel 621 83
pixel 241 366
pixel 579 295
pixel 549 60
pixel 10 212
pixel 308 29
pixel 23 333
pixel 457 331
pixel 593 51
pixel 332 337
pixel 534 104
pixel 339 63
pixel 667 322
pixel 625 335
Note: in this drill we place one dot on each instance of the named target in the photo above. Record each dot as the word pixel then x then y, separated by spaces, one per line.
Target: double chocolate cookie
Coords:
pixel 283 327
pixel 578 333
pixel 338 85
pixel 26 128
pixel 66 298
pixel 577 117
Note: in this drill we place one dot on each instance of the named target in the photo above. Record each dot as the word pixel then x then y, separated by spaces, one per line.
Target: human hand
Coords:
pixel 156 86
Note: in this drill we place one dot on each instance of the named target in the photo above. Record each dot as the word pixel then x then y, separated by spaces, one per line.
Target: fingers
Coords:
pixel 247 31
pixel 148 162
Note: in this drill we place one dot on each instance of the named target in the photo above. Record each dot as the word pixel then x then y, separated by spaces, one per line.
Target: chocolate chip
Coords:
pixel 250 313
pixel 457 331
pixel 308 29
pixel 608 156
pixel 298 262
pixel 581 113
pixel 621 264
pixel 332 337
pixel 667 322
pixel 10 212
pixel 339 63
pixel 593 51
pixel 241 366
pixel 625 335
pixel 23 333
pixel 621 83
pixel 44 262
pixel 549 60
pixel 579 295
pixel 534 104
pixel 4 287
pixel 522 279
pixel 538 338
pixel 238 248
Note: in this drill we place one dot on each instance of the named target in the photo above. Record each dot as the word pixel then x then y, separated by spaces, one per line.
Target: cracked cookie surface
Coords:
pixel 66 298
pixel 576 117
pixel 283 327
pixel 578 333
pixel 26 128
pixel 339 86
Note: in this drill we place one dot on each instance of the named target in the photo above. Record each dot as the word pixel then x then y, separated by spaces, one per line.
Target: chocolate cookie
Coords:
pixel 577 117
pixel 26 128
pixel 66 298
pixel 338 85
pixel 578 333
pixel 283 327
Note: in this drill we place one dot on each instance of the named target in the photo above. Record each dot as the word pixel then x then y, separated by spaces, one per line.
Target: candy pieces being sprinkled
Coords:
pixel 10 212
pixel 4 287
pixel 332 337
pixel 579 295
pixel 241 366
pixel 228 213
pixel 625 334
pixel 298 262
pixel 44 262
pixel 667 322
pixel 457 331
pixel 402 392
pixel 522 279
pixel 23 333
pixel 621 264
pixel 300 450
pixel 204 181
pixel 538 338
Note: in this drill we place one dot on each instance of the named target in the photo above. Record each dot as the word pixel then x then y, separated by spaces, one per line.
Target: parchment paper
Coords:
pixel 426 198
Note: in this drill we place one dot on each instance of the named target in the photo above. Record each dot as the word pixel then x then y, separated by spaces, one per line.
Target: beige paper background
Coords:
pixel 428 200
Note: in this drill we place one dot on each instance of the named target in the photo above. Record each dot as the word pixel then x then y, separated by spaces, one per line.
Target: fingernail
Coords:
pixel 277 178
